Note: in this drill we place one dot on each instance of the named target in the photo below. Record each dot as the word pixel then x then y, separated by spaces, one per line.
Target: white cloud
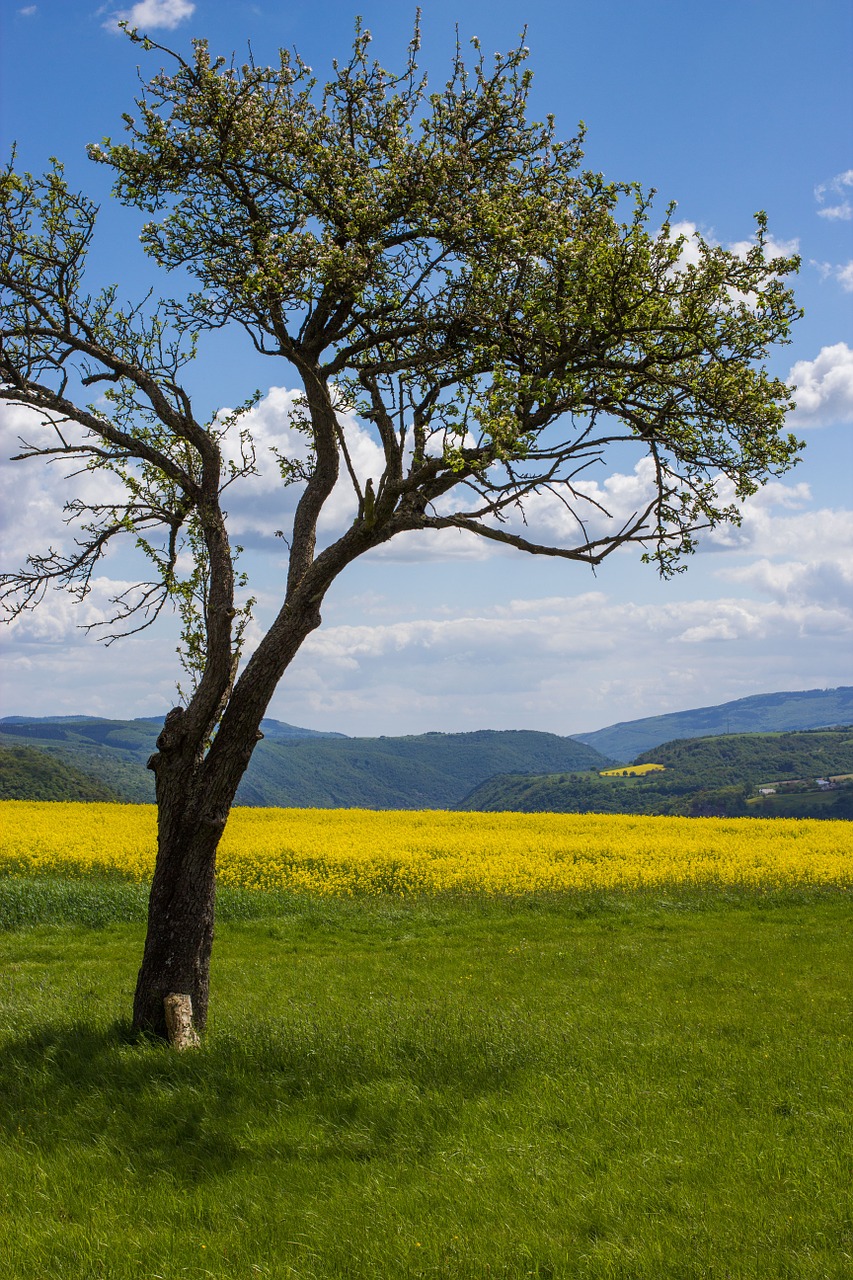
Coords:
pixel 51 667
pixel 690 255
pixel 772 248
pixel 561 663
pixel 32 496
pixel 827 583
pixel 62 620
pixel 778 520
pixel 604 506
pixel 690 249
pixel 692 232
pixel 841 210
pixel 566 664
pixel 435 544
pixel 33 492
pixel 153 15
pixel 808 532
pixel 842 272
pixel 259 505
pixel 494 637
pixel 824 388
pixel 766 606
pixel 28 10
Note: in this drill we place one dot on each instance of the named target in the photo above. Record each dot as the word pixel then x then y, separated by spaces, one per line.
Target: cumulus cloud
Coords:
pixel 153 15
pixel 772 248
pixel 766 606
pixel 604 506
pixel 567 664
pixel 261 504
pixel 824 582
pixel 435 544
pixel 61 618
pixel 496 636
pixel 690 256
pixel 842 272
pixel 779 520
pixel 51 666
pixel 824 388
pixel 33 492
pixel 798 560
pixel 692 232
pixel 784 620
pixel 836 190
pixel 32 495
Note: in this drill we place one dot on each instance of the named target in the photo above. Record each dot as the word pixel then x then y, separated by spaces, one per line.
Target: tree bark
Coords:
pixel 195 791
pixel 179 940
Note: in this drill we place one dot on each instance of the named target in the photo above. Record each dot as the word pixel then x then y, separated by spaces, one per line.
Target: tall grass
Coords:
pixel 621 1087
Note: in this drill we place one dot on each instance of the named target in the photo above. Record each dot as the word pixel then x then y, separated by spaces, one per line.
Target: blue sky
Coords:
pixel 727 109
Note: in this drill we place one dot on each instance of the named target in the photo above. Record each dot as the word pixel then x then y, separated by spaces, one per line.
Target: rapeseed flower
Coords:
pixel 349 852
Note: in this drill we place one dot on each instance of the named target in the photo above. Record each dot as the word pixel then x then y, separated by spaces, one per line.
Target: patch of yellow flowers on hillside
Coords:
pixel 357 851
pixel 635 770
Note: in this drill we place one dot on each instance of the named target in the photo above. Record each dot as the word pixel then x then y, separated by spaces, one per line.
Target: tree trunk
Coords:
pixel 195 791
pixel 190 822
pixel 179 940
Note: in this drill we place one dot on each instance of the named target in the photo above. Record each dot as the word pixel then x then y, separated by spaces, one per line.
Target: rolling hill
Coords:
pixel 706 771
pixel 303 769
pixel 718 775
pixel 762 713
pixel 27 774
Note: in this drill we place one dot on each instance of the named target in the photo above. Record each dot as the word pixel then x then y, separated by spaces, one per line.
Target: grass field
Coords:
pixel 638 1085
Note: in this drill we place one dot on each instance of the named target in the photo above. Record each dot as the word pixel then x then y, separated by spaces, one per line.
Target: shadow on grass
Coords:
pixel 358 1090
pixel 95 1087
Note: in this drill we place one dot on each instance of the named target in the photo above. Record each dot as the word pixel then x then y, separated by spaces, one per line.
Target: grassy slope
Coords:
pixel 762 713
pixel 625 1089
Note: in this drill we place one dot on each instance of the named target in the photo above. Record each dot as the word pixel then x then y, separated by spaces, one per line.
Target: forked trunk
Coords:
pixel 195 791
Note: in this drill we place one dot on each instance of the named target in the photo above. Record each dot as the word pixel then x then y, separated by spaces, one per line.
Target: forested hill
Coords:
pixel 27 774
pixel 733 759
pixel 763 713
pixel 700 776
pixel 90 758
pixel 300 769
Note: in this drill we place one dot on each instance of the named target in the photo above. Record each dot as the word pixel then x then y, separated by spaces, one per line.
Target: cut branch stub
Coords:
pixel 179 1021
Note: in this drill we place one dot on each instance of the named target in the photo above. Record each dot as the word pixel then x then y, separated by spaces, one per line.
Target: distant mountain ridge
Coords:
pixel 304 769
pixel 270 728
pixel 760 713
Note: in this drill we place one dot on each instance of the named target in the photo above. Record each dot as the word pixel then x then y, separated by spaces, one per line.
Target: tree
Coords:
pixel 436 262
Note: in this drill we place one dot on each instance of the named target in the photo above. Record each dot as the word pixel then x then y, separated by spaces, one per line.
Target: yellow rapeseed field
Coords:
pixel 355 851
pixel 637 770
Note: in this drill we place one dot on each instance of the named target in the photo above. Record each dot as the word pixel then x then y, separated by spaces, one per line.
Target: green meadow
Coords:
pixel 617 1086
